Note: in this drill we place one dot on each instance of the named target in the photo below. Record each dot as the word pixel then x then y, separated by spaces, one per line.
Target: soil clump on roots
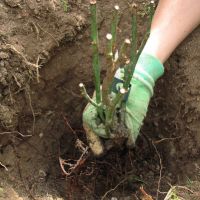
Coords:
pixel 44 55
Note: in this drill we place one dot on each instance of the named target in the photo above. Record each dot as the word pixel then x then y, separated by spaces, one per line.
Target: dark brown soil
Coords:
pixel 37 118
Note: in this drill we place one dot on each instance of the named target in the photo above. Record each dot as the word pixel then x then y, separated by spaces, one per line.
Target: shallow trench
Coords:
pixel 58 106
pixel 172 122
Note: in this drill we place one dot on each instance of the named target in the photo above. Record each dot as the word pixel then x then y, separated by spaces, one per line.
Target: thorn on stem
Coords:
pixel 87 97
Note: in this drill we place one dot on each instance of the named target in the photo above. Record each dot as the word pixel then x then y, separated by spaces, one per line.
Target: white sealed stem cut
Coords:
pixel 109 36
pixel 116 7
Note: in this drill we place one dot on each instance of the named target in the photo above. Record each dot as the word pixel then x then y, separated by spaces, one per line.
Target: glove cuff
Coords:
pixel 148 70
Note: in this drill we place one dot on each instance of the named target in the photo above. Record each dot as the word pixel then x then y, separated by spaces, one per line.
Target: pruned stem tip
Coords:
pixel 87 97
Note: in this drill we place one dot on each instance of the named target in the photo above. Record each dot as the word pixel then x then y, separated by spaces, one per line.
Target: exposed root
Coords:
pixel 35 28
pixel 69 126
pixel 17 82
pixel 1 164
pixel 172 191
pixel 185 188
pixel 32 110
pixel 165 139
pixel 160 172
pixel 37 70
pixel 113 189
pixel 80 145
pixel 49 34
pixel 17 132
pixel 19 168
pixel 12 48
pixel 145 195
pixel 26 62
pixel 73 167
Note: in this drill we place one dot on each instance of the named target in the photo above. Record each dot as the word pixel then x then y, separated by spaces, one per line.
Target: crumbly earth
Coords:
pixel 41 108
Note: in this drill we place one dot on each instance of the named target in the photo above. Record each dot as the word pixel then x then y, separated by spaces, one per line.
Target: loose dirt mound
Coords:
pixel 29 32
pixel 41 122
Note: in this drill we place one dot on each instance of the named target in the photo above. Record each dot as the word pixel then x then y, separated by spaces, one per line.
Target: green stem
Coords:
pixel 133 57
pixel 111 111
pixel 114 25
pixel 111 65
pixel 123 58
pixel 129 70
pixel 87 97
pixel 109 77
pixel 95 58
pixel 95 45
pixel 151 13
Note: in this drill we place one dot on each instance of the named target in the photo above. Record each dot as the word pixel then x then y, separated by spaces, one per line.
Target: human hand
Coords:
pixel 94 128
pixel 147 71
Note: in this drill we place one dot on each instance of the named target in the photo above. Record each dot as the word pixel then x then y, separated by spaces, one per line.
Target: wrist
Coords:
pixel 149 66
pixel 148 70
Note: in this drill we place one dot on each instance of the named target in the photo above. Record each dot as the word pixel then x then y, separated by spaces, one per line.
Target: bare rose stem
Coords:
pixel 87 97
pixel 129 70
pixel 134 53
pixel 115 102
pixel 110 60
pixel 123 58
pixel 151 13
pixel 95 57
pixel 106 107
pixel 129 67
pixel 115 22
pixel 111 68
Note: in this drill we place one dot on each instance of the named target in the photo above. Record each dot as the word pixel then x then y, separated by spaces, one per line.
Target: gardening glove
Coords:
pixel 93 128
pixel 148 69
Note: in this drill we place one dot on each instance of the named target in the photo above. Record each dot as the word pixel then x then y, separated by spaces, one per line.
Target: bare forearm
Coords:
pixel 172 22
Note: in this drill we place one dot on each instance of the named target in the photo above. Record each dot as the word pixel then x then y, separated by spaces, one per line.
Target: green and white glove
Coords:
pixel 147 71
